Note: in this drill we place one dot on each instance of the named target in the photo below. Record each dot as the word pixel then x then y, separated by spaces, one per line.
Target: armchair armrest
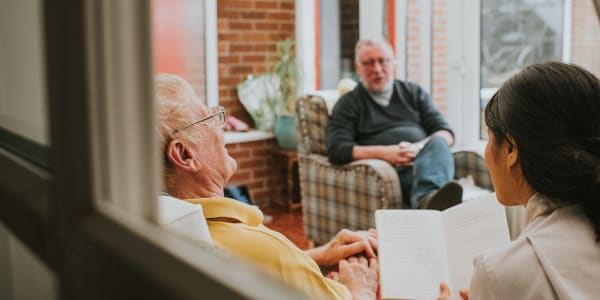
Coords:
pixel 344 196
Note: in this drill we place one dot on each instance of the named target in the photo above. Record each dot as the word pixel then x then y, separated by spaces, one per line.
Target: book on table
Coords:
pixel 419 249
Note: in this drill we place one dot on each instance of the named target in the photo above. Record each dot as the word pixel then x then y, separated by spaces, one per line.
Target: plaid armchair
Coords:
pixel 346 196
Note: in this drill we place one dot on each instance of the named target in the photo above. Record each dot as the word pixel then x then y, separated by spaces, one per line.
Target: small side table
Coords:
pixel 291 158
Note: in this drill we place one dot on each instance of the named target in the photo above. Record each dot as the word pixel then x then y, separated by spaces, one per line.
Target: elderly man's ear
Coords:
pixel 182 157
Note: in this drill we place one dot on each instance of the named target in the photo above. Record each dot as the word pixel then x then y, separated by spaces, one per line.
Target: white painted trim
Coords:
pixel 463 71
pixel 401 17
pixel 305 45
pixel 370 18
pixel 425 24
pixel 232 137
pixel 126 173
pixel 567 26
pixel 211 50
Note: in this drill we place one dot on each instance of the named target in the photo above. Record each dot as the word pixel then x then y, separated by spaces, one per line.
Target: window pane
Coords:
pixel 23 107
pixel 338 29
pixel 178 41
pixel 515 34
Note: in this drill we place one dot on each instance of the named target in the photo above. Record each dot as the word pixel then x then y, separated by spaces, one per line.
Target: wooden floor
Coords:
pixel 288 223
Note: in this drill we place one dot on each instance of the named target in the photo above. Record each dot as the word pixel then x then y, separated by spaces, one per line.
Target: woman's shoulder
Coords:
pixel 512 272
pixel 556 255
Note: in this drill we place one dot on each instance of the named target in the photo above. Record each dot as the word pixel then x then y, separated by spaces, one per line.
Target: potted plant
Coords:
pixel 269 97
pixel 284 67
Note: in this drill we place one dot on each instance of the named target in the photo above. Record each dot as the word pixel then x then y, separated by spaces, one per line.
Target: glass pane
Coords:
pixel 23 104
pixel 178 40
pixel 338 29
pixel 515 34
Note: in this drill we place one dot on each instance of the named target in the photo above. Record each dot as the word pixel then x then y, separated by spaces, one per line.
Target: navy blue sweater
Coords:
pixel 357 119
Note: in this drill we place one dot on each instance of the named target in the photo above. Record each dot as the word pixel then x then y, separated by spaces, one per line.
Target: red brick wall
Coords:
pixel 585 36
pixel 439 50
pixel 413 44
pixel 439 55
pixel 263 174
pixel 247 32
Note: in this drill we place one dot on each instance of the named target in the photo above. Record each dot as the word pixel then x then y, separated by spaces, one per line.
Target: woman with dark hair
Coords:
pixel 543 153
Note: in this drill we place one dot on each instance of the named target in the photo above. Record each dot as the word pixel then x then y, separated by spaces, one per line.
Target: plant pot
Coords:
pixel 285 131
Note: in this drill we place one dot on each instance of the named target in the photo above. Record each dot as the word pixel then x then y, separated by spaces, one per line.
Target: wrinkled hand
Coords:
pixel 445 293
pixel 359 276
pixel 399 155
pixel 346 243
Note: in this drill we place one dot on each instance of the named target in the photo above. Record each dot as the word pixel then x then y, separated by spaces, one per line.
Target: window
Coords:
pixel 184 42
pixel 515 34
pixel 489 41
pixel 328 32
pixel 92 209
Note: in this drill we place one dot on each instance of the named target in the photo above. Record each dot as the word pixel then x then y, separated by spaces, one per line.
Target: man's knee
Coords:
pixel 437 142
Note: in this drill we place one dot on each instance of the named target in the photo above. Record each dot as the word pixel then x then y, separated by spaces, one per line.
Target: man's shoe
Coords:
pixel 448 195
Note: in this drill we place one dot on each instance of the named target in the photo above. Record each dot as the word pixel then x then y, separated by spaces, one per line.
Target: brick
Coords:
pixel 267 26
pixel 255 184
pixel 241 176
pixel 288 27
pixel 241 69
pixel 229 36
pixel 251 164
pixel 287 5
pixel 254 59
pixel 236 4
pixel 279 16
pixel 240 25
pixel 265 4
pixel 228 14
pixel 240 47
pixel 227 59
pixel 253 15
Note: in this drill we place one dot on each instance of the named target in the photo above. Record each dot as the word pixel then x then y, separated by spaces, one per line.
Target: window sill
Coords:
pixel 248 136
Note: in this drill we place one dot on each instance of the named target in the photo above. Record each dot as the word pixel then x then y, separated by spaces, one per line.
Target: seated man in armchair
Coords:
pixel 197 167
pixel 395 121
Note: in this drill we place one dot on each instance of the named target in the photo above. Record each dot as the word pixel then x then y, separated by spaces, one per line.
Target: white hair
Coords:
pixel 372 42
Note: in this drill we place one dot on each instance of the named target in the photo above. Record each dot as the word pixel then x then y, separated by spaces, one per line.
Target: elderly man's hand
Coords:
pixel 345 244
pixel 359 276
pixel 398 155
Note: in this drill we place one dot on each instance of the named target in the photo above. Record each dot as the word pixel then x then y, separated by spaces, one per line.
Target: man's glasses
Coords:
pixel 371 62
pixel 216 118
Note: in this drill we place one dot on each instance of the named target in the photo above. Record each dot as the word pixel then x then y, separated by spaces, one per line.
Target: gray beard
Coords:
pixel 383 98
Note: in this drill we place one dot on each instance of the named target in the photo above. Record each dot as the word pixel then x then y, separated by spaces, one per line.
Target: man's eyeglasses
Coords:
pixel 371 62
pixel 216 118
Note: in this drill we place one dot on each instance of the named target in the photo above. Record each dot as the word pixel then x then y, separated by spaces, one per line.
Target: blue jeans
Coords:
pixel 432 168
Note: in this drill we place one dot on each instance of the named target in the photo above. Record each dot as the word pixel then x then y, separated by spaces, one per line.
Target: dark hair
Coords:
pixel 552 112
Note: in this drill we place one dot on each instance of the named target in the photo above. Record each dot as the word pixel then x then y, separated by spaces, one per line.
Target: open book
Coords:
pixel 419 249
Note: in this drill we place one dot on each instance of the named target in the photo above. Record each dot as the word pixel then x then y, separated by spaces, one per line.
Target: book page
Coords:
pixel 412 254
pixel 470 228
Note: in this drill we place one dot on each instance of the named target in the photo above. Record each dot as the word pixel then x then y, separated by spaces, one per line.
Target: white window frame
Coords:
pixel 78 214
pixel 464 67
pixel 127 177
pixel 211 49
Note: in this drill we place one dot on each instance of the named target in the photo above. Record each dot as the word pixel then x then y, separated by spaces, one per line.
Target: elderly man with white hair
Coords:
pixel 197 167
pixel 395 121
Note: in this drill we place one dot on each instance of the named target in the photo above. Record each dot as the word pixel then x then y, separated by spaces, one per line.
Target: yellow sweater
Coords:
pixel 268 249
